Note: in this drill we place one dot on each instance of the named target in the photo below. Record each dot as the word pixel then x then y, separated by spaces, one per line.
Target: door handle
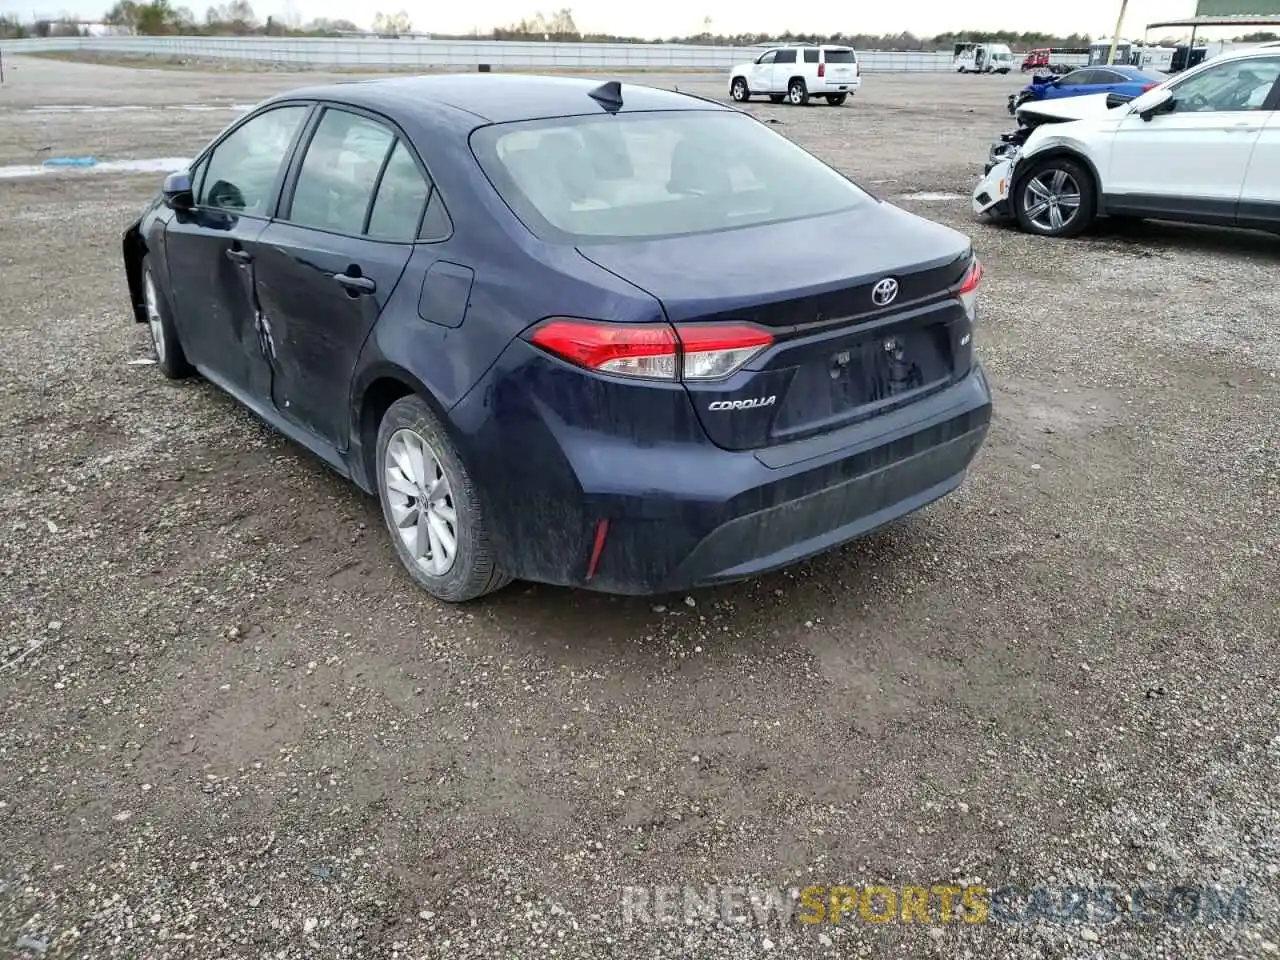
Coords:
pixel 238 255
pixel 356 284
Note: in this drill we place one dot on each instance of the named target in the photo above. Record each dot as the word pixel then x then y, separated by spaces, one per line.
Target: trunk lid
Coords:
pixel 837 356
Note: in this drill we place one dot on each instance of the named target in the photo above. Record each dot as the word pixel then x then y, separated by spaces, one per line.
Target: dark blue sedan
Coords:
pixel 595 335
pixel 1123 81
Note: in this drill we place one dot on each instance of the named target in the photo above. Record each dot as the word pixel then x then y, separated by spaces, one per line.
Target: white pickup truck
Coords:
pixel 797 72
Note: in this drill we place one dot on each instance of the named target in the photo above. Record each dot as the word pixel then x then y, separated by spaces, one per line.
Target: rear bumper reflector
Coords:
pixel 597 548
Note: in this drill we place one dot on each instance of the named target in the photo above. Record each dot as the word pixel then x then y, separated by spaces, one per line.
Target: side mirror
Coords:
pixel 1160 101
pixel 177 191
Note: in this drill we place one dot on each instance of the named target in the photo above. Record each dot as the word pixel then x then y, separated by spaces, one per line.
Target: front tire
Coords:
pixel 739 92
pixel 837 99
pixel 431 507
pixel 1056 199
pixel 798 93
pixel 164 335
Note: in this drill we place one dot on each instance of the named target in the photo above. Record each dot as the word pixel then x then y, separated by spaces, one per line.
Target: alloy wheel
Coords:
pixel 1051 200
pixel 421 502
pixel 154 321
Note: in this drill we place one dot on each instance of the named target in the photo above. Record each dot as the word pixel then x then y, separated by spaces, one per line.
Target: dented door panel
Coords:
pixel 314 325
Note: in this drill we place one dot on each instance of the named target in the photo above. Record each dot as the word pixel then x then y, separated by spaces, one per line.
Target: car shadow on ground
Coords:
pixel 1160 236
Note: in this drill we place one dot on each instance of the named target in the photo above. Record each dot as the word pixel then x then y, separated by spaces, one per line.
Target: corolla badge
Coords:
pixel 884 292
pixel 743 404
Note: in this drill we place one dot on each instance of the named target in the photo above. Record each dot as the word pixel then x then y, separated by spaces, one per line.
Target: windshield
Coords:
pixel 644 176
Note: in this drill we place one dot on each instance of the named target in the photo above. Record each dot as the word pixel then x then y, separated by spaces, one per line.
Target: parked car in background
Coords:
pixel 796 73
pixel 1122 81
pixel 1053 59
pixel 1203 147
pixel 586 335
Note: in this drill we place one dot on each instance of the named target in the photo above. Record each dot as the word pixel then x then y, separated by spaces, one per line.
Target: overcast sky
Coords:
pixel 650 18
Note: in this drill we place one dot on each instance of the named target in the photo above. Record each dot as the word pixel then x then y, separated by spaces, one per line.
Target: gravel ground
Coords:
pixel 230 727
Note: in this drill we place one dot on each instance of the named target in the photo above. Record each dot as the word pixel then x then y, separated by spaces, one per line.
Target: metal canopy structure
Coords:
pixel 1255 18
pixel 1237 20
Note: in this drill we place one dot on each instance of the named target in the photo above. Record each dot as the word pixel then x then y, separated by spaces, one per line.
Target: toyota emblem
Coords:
pixel 884 292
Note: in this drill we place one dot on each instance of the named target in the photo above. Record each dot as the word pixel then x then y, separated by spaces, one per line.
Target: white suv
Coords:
pixel 1203 147
pixel 796 73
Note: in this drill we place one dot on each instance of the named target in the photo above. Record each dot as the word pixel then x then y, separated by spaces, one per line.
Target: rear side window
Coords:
pixel 811 56
pixel 402 194
pixel 240 174
pixel 644 176
pixel 339 173
pixel 841 56
pixel 786 56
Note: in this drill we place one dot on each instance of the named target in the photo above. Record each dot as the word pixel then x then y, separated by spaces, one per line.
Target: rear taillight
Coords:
pixel 968 292
pixel 655 351
pixel 1149 86
pixel 715 350
pixel 822 69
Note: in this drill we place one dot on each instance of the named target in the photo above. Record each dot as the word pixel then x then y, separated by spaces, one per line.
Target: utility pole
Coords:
pixel 1115 40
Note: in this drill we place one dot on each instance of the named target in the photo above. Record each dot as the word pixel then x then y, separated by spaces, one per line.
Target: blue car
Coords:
pixel 1124 82
pixel 594 335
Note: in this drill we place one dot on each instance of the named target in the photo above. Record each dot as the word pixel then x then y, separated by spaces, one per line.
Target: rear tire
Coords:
pixel 739 92
pixel 836 99
pixel 1042 200
pixel 426 493
pixel 798 93
pixel 164 335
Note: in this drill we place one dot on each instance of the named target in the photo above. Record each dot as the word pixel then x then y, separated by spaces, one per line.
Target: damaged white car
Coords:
pixel 1203 147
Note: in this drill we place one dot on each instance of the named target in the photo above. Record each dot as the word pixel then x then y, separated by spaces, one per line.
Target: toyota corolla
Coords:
pixel 605 336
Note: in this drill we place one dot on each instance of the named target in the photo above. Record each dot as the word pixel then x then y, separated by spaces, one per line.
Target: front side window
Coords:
pixel 240 174
pixel 768 57
pixel 642 176
pixel 339 173
pixel 1078 78
pixel 786 56
pixel 1242 85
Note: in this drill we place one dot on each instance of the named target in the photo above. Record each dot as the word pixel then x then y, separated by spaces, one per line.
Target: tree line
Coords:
pixel 237 18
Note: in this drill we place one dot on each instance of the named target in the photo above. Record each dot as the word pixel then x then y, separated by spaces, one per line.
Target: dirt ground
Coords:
pixel 231 727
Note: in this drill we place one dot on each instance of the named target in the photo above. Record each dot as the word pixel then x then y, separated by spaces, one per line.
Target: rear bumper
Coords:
pixel 824 87
pixel 687 514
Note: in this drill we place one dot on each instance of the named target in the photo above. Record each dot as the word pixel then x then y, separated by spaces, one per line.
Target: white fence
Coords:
pixel 424 54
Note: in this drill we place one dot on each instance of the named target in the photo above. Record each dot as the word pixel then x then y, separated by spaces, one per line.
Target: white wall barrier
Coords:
pixel 376 54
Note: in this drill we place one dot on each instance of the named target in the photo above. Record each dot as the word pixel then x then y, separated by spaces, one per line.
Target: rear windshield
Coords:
pixel 643 176
pixel 841 56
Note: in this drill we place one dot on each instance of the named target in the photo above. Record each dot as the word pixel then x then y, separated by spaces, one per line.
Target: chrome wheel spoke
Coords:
pixel 441 534
pixel 422 542
pixel 1055 218
pixel 445 512
pixel 1035 212
pixel 405 516
pixel 398 482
